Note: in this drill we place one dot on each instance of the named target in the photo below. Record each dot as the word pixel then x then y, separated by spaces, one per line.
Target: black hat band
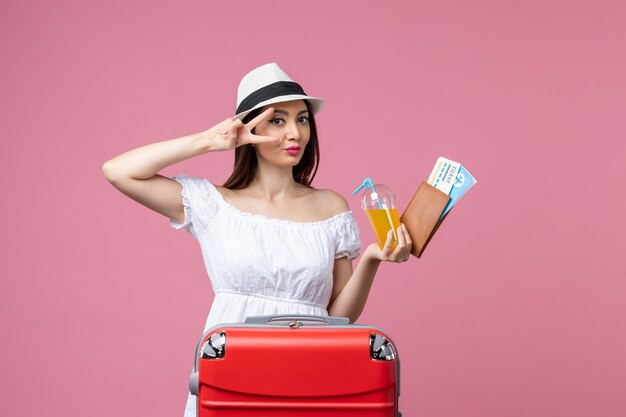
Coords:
pixel 277 89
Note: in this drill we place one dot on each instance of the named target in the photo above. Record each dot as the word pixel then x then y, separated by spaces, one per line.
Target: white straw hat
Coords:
pixel 269 84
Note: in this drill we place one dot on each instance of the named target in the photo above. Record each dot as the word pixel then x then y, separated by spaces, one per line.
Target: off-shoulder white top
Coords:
pixel 262 266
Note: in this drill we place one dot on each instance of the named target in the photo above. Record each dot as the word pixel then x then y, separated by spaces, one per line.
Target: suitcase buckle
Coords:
pixel 295 324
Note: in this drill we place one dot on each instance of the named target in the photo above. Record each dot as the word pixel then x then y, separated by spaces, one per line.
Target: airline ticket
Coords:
pixel 452 178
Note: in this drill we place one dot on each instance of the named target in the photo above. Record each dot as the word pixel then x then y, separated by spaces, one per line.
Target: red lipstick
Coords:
pixel 293 150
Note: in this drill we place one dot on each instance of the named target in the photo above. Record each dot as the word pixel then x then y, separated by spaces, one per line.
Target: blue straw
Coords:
pixel 368 183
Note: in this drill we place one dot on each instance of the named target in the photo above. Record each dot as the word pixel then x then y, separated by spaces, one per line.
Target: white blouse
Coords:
pixel 261 266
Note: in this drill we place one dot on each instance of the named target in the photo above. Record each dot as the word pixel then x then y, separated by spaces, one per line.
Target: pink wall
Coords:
pixel 516 309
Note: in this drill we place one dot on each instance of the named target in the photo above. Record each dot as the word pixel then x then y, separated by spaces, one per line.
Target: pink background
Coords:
pixel 518 306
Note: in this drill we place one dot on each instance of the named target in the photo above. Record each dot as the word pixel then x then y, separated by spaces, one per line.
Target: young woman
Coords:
pixel 271 243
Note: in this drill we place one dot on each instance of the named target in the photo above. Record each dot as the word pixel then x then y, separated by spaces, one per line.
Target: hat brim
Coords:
pixel 316 103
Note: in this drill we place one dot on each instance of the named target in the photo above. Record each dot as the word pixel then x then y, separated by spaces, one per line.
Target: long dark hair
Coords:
pixel 246 163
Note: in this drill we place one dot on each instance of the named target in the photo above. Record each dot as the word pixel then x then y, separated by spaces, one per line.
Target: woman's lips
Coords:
pixel 294 150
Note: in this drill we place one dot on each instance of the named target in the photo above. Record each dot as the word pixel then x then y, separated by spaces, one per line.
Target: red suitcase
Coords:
pixel 296 366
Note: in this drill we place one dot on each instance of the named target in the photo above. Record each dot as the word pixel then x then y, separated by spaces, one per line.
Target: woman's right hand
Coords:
pixel 232 133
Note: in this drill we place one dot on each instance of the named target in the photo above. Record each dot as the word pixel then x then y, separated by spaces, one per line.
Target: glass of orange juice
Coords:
pixel 379 203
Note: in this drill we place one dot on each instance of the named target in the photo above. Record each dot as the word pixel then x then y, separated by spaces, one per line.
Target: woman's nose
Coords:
pixel 293 131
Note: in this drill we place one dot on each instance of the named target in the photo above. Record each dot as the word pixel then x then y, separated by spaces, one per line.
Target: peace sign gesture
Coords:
pixel 232 133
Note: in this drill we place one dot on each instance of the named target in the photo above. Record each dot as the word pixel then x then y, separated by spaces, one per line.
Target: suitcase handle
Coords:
pixel 297 317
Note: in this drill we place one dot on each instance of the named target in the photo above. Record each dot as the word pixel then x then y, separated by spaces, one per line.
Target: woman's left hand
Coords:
pixel 400 254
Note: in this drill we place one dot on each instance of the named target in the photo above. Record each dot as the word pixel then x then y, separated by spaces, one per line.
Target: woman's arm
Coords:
pixel 351 289
pixel 134 173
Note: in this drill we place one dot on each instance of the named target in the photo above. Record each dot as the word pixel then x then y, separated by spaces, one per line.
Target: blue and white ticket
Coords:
pixel 452 178
pixel 444 174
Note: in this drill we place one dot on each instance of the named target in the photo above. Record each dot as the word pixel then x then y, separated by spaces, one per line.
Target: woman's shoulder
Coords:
pixel 330 202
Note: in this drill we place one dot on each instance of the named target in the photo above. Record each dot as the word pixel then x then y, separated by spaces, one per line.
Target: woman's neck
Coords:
pixel 272 182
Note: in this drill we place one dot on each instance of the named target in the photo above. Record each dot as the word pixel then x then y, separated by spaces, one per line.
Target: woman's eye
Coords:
pixel 277 121
pixel 303 120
